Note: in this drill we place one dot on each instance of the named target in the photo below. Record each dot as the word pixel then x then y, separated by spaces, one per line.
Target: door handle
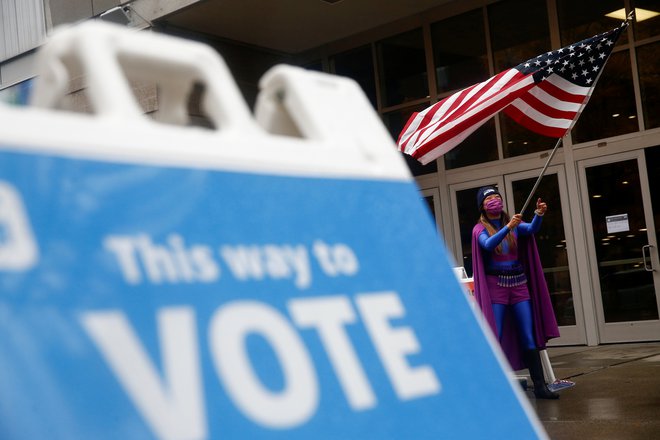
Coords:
pixel 648 268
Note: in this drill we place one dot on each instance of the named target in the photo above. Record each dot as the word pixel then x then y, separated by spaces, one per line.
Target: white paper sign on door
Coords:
pixel 617 223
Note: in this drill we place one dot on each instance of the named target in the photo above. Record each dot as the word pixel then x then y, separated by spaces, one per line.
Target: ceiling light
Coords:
pixel 616 115
pixel 632 117
pixel 597 196
pixel 625 182
pixel 640 14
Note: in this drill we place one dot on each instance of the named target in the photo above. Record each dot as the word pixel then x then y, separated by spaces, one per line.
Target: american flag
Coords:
pixel 544 94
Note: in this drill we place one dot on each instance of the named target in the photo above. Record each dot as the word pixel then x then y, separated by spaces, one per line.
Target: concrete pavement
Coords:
pixel 616 396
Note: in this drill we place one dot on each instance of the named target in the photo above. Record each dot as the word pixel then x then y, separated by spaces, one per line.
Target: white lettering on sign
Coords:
pixel 171 263
pixel 329 315
pixel 228 331
pixel 394 344
pixel 336 259
pixel 141 259
pixel 272 261
pixel 174 407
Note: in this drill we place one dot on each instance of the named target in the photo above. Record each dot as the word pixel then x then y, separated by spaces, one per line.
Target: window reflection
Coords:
pixel 314 65
pixel 519 31
pixel 512 45
pixel 517 140
pixel 17 94
pixel 430 203
pixel 402 68
pixel 653 171
pixel 395 121
pixel 611 110
pixel 626 288
pixel 357 64
pixel 479 147
pixel 648 62
pixel 647 28
pixel 460 56
pixel 585 18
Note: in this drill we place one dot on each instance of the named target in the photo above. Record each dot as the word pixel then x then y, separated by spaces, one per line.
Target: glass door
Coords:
pixel 622 246
pixel 432 198
pixel 555 245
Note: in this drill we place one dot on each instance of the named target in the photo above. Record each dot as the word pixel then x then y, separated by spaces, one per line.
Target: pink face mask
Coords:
pixel 494 206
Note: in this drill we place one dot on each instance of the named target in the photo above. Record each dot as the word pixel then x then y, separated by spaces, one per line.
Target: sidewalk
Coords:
pixel 616 396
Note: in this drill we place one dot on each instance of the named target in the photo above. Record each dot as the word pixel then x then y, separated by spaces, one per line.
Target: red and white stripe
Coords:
pixel 551 107
pixel 439 128
pixel 548 108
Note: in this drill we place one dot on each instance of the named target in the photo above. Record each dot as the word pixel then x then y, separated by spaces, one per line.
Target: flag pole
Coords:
pixel 545 167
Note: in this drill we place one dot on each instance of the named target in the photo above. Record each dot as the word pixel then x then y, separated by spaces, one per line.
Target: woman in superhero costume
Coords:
pixel 510 287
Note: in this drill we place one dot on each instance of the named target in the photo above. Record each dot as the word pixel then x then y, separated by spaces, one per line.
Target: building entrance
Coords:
pixel 622 241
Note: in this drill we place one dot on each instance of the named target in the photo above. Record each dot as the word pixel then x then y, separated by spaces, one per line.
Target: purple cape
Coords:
pixel 545 323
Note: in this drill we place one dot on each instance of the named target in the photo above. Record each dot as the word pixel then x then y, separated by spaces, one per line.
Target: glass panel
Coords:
pixel 648 64
pixel 517 140
pixel 466 206
pixel 649 27
pixel 395 121
pixel 653 170
pixel 402 68
pixel 314 65
pixel 460 57
pixel 611 110
pixel 431 204
pixel 479 147
pixel 511 46
pixel 519 31
pixel 627 290
pixel 585 18
pixel 17 94
pixel 551 242
pixel 359 65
